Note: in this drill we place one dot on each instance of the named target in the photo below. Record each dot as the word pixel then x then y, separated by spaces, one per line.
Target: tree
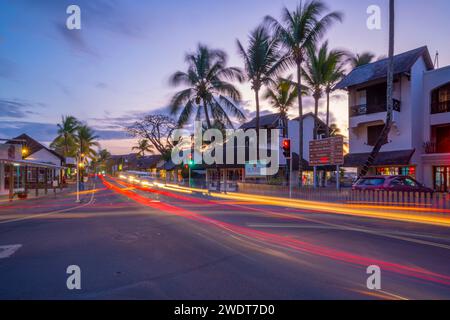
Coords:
pixel 282 96
pixel 208 90
pixel 100 162
pixel 142 147
pixel 65 142
pixel 390 88
pixel 334 130
pixel 357 60
pixel 263 62
pixel 298 31
pixel 86 141
pixel 333 73
pixel 157 129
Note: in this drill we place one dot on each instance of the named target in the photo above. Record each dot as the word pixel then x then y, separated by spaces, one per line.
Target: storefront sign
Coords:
pixel 326 152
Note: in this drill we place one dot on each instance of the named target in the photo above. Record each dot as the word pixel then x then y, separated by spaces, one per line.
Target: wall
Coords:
pixel 308 135
pixel 44 156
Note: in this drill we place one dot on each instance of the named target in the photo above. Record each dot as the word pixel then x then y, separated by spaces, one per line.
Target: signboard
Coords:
pixel 326 152
pixel 10 152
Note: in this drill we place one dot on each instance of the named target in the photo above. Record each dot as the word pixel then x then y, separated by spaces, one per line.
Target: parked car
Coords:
pixel 390 183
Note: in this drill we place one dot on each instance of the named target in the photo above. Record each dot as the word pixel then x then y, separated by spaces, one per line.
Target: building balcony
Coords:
pixel 432 147
pixel 372 115
pixel 440 107
pixel 364 109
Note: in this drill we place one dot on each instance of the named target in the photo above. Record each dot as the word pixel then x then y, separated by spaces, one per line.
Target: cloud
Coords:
pixel 45 132
pixel 16 108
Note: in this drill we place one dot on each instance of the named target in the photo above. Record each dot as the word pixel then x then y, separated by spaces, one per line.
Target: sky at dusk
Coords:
pixel 116 68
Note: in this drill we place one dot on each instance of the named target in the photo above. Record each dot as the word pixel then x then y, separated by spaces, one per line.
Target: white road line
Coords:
pixel 53 212
pixel 8 251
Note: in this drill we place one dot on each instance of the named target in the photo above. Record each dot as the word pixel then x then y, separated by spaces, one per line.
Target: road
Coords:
pixel 166 244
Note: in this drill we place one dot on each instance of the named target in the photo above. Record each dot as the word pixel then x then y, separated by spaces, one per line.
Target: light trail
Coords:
pixel 287 242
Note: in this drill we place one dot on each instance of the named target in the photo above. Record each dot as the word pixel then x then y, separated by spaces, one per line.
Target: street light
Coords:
pixel 80 165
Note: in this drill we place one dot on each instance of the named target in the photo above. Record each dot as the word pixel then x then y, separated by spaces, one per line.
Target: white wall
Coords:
pixel 44 156
pixel 308 135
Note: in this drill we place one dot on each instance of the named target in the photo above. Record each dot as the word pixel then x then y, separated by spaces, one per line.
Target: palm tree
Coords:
pixel 142 147
pixel 390 88
pixel 65 141
pixel 314 74
pixel 282 97
pixel 356 60
pixel 334 72
pixel 263 62
pixel 101 160
pixel 208 91
pixel 86 140
pixel 298 31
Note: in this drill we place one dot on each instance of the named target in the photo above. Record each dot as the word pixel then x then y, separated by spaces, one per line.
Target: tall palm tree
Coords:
pixel 142 147
pixel 298 31
pixel 209 90
pixel 314 74
pixel 263 62
pixel 282 96
pixel 65 141
pixel 390 88
pixel 101 160
pixel 360 59
pixel 334 72
pixel 86 141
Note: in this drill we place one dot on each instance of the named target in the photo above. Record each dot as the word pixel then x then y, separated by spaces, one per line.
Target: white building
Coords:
pixel 418 142
pixel 27 164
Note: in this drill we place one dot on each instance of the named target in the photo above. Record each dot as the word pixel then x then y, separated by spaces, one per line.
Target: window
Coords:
pixel 371 182
pixel 373 133
pixel 440 99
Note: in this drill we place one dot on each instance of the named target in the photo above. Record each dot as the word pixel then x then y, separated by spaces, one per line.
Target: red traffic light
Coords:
pixel 287 148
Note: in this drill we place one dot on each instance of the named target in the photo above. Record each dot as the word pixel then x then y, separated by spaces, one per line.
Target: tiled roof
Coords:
pixel 32 145
pixel 378 70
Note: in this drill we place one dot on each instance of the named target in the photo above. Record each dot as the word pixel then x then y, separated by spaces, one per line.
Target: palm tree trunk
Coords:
pixel 328 113
pixel 208 120
pixel 390 88
pixel 257 123
pixel 316 115
pixel 300 121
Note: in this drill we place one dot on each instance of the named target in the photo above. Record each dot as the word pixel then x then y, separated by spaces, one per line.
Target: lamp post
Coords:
pixel 79 165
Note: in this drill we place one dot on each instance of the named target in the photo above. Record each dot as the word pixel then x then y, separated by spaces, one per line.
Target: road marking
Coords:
pixel 50 213
pixel 8 251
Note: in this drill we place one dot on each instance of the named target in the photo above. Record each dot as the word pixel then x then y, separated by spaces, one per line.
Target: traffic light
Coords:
pixel 190 161
pixel 287 148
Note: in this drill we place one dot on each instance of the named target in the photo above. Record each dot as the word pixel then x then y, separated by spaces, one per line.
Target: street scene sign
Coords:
pixel 326 152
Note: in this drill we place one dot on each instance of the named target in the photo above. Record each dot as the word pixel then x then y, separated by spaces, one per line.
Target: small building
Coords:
pixel 27 164
pixel 235 173
pixel 418 144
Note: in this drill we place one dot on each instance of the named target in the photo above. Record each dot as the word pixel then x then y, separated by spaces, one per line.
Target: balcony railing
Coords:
pixel 432 147
pixel 365 109
pixel 440 107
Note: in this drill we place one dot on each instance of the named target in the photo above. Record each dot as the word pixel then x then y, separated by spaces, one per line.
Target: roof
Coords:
pixel 267 121
pixel 402 157
pixel 32 145
pixel 378 70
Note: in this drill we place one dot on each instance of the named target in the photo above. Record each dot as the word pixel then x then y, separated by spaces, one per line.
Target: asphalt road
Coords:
pixel 153 244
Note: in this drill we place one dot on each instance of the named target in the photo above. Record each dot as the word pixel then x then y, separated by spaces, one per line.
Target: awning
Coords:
pixel 392 158
pixel 32 164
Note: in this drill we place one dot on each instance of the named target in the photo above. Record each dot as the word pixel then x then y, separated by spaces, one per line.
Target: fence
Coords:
pixel 349 196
